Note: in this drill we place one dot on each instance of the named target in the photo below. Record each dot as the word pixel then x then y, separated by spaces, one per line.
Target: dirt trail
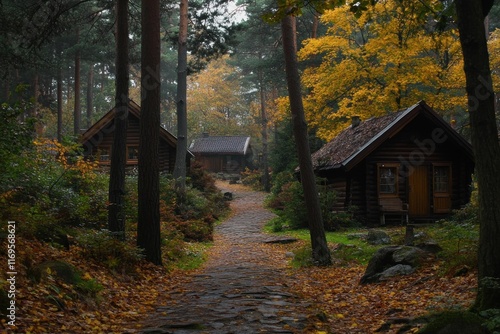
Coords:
pixel 242 288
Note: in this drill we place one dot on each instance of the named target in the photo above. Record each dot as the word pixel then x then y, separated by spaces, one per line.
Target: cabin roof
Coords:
pixel 221 145
pixel 104 123
pixel 354 143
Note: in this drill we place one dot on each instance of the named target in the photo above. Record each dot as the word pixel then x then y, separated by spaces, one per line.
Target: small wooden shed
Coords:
pixel 409 164
pixel 98 140
pixel 226 154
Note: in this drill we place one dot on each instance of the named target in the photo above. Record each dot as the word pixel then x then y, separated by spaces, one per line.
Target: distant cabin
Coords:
pixel 226 154
pixel 408 165
pixel 98 140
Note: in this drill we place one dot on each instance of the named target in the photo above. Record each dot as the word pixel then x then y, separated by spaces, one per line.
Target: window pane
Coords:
pixel 441 178
pixel 133 153
pixel 388 179
pixel 104 154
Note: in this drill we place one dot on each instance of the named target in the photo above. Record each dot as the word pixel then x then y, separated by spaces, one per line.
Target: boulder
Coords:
pixel 407 257
pixel 397 270
pixel 381 260
pixel 430 246
pixel 228 196
pixel 378 237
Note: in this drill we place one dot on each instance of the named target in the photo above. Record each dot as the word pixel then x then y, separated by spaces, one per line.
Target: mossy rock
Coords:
pixel 452 322
pixel 59 269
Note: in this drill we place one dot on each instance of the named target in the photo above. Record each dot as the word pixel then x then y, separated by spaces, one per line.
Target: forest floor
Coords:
pixel 248 286
pixel 245 286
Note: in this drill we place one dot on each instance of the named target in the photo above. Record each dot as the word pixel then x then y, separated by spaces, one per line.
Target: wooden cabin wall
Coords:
pixel 403 149
pixel 166 152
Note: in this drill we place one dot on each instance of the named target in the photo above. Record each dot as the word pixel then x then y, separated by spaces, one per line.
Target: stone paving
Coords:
pixel 241 289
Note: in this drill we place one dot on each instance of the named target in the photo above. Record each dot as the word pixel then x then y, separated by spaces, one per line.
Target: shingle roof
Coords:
pixel 353 144
pixel 349 141
pixel 220 145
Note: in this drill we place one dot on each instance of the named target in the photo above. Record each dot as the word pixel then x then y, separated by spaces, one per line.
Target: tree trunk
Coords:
pixel 36 94
pixel 78 108
pixel 148 228
pixel 263 116
pixel 90 95
pixel 320 251
pixel 59 103
pixel 180 156
pixel 484 135
pixel 116 212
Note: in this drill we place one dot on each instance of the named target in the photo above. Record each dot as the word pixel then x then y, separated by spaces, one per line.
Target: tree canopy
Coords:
pixel 387 57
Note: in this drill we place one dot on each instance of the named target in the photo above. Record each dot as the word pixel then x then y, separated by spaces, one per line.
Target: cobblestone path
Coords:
pixel 241 288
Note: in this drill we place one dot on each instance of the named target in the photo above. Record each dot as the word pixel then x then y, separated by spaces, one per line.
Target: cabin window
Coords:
pixel 133 153
pixel 388 180
pixel 441 179
pixel 104 154
pixel 441 184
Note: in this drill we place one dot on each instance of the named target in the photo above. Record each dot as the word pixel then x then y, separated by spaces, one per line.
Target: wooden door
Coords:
pixel 419 191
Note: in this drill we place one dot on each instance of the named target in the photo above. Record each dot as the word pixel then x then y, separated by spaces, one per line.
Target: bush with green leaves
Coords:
pixel 16 136
pixel 459 238
pixel 252 179
pixel 104 247
pixel 51 181
pixel 287 198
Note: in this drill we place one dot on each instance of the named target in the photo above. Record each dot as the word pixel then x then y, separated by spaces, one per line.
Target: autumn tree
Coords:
pixel 116 214
pixel 381 59
pixel 320 252
pixel 484 135
pixel 217 101
pixel 148 227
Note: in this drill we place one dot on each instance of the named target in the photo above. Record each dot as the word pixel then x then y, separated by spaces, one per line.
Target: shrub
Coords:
pixel 252 179
pixel 459 237
pixel 103 247
pixel 55 182
pixel 287 198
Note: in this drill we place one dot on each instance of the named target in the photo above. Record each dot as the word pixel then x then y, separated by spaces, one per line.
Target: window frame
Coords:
pixel 394 166
pixel 132 147
pixel 446 165
pixel 100 155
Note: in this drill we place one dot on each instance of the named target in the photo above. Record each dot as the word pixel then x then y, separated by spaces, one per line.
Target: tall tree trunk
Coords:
pixel 148 228
pixel 180 156
pixel 314 31
pixel 263 117
pixel 320 251
pixel 90 95
pixel 116 212
pixel 36 94
pixel 59 103
pixel 78 108
pixel 484 135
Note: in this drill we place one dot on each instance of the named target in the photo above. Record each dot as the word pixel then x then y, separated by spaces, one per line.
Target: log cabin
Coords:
pixel 222 154
pixel 406 166
pixel 98 139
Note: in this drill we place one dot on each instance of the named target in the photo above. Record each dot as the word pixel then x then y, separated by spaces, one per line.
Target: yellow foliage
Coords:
pixel 53 149
pixel 380 62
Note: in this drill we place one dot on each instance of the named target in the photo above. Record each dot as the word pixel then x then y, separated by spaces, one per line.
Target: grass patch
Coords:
pixel 345 248
pixel 194 256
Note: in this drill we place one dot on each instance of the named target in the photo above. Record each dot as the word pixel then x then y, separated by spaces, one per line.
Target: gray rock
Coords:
pixel 397 270
pixel 378 237
pixel 408 255
pixel 430 246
